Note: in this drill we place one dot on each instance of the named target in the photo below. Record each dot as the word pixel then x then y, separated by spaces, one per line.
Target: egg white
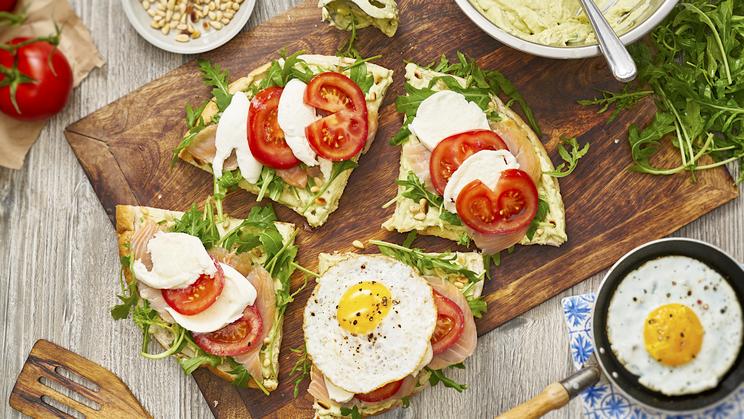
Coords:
pixel 395 349
pixel 683 280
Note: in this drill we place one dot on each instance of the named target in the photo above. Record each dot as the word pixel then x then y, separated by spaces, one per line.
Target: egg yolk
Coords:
pixel 673 334
pixel 363 306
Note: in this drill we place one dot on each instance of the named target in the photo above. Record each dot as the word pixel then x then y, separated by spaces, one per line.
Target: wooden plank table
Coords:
pixel 57 256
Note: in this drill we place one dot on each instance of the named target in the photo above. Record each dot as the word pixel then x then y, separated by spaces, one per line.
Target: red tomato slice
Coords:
pixel 450 324
pixel 385 392
pixel 198 296
pixel 509 208
pixel 236 338
pixel 339 136
pixel 265 137
pixel 7 5
pixel 332 92
pixel 449 154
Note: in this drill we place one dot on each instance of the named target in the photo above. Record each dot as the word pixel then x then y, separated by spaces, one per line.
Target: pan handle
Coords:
pixel 555 395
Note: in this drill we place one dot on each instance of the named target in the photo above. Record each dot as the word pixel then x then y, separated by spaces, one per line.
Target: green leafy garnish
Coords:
pixel 301 369
pixel 129 296
pixel 415 190
pixel 348 48
pixel 280 74
pixel 695 67
pixel 570 157
pixel 358 72
pixel 194 123
pixel 405 402
pixel 477 305
pixel 621 101
pixel 423 262
pixel 353 412
pixel 542 212
pixel 437 376
pixel 215 77
pixel 269 184
pixel 200 224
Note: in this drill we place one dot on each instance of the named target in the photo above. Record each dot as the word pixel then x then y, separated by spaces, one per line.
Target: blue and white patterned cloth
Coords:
pixel 603 400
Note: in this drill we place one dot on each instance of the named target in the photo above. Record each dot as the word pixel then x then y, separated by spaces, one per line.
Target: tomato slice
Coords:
pixel 236 338
pixel 265 136
pixel 333 92
pixel 198 296
pixel 385 392
pixel 507 209
pixel 450 324
pixel 339 136
pixel 449 154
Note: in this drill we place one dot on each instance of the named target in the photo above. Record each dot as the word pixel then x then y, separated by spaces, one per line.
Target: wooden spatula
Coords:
pixel 49 366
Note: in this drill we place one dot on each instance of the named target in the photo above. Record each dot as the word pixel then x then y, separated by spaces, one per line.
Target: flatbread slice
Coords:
pixel 315 206
pixel 550 231
pixel 343 14
pixel 131 218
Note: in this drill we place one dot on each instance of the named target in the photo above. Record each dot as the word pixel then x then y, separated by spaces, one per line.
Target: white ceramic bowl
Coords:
pixel 208 40
pixel 660 11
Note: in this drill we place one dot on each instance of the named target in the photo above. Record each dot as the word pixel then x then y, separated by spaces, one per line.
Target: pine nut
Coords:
pixel 182 37
pixel 358 244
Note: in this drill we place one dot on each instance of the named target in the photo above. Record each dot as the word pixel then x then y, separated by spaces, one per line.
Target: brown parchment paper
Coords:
pixel 16 137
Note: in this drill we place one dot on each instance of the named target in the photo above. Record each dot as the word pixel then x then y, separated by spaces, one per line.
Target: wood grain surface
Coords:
pixel 58 254
pixel 125 148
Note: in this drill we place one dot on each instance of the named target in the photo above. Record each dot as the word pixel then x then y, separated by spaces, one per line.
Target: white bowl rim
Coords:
pixel 547 51
pixel 157 39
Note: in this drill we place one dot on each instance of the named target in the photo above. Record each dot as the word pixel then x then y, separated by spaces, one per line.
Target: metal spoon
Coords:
pixel 619 60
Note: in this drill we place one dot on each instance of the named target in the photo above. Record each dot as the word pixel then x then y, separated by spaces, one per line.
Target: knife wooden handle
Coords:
pixel 554 396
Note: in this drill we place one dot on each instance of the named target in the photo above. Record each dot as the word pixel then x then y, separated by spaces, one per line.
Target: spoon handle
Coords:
pixel 621 63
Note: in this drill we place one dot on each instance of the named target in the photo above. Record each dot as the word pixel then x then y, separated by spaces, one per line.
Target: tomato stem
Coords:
pixel 12 19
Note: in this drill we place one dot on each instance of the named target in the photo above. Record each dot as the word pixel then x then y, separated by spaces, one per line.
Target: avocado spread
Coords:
pixel 560 22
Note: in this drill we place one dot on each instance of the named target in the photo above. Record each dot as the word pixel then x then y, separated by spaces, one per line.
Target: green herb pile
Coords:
pixel 694 68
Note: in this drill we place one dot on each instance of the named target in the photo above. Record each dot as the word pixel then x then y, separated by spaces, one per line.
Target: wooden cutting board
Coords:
pixel 125 149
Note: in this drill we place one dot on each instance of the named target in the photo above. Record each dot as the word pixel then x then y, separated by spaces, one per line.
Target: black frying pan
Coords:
pixel 556 395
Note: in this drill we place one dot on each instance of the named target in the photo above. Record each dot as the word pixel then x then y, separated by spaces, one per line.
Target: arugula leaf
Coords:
pixel 570 158
pixel 348 48
pixel 191 364
pixel 241 376
pixel 301 369
pixel 694 66
pixel 353 412
pixel 279 74
pixel 195 124
pixel 214 76
pixel 269 184
pixel 492 260
pixel 542 212
pixel 437 376
pixel 621 101
pixel 226 182
pixel 199 224
pixel 128 298
pixel 424 263
pixel 415 190
pixel 410 238
pixel 360 75
pixel 477 305
pixel 405 402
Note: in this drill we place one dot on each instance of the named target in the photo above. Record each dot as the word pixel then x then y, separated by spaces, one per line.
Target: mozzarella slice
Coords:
pixel 178 259
pixel 337 393
pixel 443 114
pixel 485 165
pixel 237 294
pixel 232 134
pixel 293 116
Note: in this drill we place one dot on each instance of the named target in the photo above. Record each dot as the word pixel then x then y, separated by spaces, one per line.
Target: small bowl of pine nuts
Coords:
pixel 188 26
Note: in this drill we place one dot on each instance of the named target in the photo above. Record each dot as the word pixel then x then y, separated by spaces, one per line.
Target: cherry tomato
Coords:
pixel 7 5
pixel 339 136
pixel 508 208
pixel 236 338
pixel 265 137
pixel 449 154
pixel 198 296
pixel 49 85
pixel 385 392
pixel 450 324
pixel 332 92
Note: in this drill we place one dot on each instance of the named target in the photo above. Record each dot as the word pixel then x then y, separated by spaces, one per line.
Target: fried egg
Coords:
pixel 676 324
pixel 369 322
